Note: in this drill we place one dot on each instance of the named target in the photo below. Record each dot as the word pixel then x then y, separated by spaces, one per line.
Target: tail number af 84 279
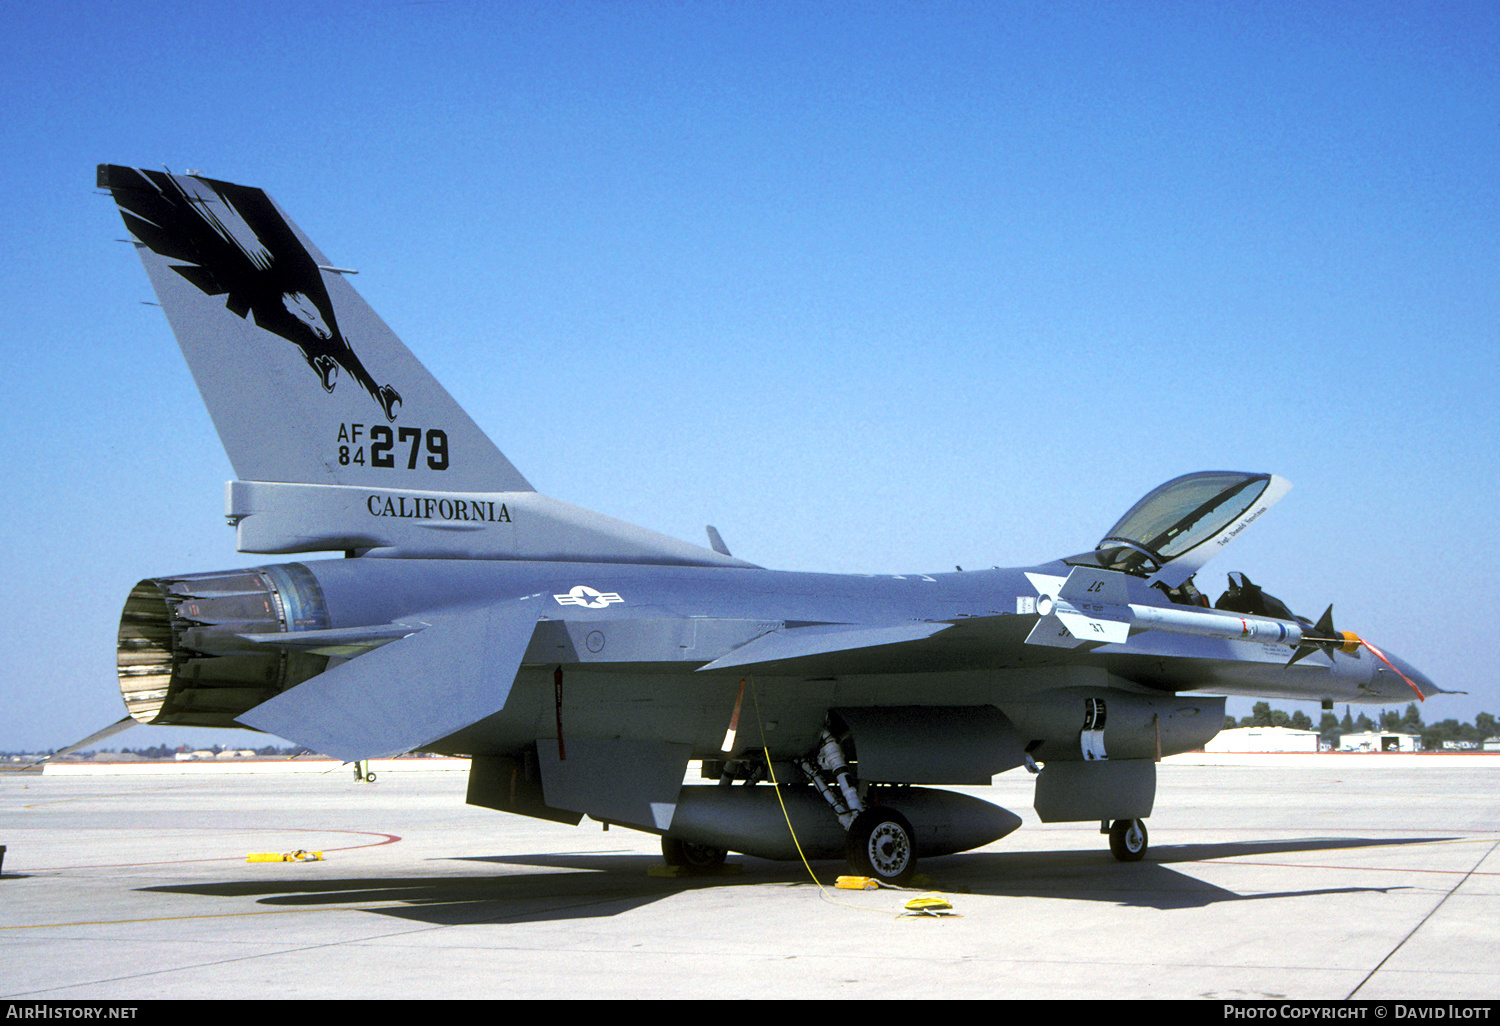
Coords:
pixel 387 444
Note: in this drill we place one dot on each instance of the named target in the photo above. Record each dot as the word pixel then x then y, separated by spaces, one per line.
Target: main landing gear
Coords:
pixel 879 841
pixel 880 846
pixel 1127 840
pixel 699 858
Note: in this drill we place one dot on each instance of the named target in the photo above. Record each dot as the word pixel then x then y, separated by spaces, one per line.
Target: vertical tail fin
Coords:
pixel 341 440
pixel 303 380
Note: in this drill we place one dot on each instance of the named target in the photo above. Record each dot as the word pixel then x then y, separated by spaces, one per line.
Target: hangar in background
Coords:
pixel 1264 739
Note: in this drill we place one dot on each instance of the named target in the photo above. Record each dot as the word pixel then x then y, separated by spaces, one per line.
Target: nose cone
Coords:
pixel 1387 680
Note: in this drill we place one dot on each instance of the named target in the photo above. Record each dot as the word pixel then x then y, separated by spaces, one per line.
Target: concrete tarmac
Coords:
pixel 1328 877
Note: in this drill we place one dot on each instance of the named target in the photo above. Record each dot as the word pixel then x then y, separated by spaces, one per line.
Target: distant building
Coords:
pixel 1492 744
pixel 1264 739
pixel 1380 741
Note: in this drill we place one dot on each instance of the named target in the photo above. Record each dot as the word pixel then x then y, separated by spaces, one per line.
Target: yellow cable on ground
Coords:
pixel 822 891
pixel 286 856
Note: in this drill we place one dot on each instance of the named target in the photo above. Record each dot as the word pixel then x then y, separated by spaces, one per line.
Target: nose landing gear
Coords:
pixel 1127 840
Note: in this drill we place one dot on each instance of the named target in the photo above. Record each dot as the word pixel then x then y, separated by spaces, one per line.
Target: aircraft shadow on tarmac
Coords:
pixel 583 885
pixel 460 900
pixel 1152 883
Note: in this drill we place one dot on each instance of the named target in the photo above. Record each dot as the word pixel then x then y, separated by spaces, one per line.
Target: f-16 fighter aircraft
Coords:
pixel 582 662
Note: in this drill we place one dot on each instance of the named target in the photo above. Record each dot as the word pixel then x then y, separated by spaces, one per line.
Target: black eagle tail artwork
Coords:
pixel 230 240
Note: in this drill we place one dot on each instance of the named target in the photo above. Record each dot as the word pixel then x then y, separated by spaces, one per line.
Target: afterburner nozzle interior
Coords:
pixel 181 655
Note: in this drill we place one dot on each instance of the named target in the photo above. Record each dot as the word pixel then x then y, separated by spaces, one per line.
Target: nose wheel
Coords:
pixel 880 846
pixel 1127 840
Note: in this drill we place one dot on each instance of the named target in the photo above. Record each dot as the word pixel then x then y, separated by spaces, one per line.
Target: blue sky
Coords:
pixel 871 287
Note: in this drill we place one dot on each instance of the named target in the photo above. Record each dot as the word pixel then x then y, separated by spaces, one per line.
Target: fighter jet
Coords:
pixel 583 663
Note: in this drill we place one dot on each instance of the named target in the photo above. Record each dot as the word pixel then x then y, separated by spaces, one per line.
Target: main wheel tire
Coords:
pixel 699 857
pixel 880 845
pixel 1128 840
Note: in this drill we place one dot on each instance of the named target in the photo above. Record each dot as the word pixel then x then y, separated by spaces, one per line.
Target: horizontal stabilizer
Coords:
pixel 343 642
pixel 98 735
pixel 822 639
pixel 407 693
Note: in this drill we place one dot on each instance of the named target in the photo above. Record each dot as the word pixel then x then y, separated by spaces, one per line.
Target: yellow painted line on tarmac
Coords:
pixel 98 797
pixel 207 915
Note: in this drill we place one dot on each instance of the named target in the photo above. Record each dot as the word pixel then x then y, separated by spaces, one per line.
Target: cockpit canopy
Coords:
pixel 1168 535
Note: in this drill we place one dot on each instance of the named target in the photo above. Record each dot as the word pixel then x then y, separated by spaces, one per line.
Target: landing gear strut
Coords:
pixel 1127 840
pixel 879 842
